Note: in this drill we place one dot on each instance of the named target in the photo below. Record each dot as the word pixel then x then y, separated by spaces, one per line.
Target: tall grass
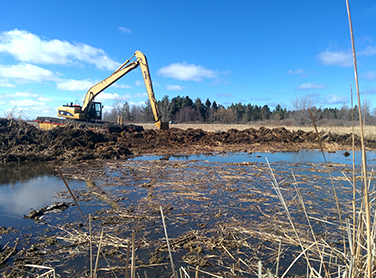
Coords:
pixel 359 247
pixel 365 196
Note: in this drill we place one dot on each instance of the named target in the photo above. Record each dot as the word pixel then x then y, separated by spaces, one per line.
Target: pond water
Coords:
pixel 303 156
pixel 34 185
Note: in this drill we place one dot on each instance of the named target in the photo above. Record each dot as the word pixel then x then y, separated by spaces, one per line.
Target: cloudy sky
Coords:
pixel 259 52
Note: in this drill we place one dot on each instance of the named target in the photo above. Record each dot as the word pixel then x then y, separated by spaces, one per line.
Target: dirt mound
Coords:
pixel 263 139
pixel 20 141
pixel 178 139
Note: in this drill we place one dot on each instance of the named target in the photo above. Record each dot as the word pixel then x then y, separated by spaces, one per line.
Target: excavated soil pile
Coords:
pixel 20 141
pixel 263 139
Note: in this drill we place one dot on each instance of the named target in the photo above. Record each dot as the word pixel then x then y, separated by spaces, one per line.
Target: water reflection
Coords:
pixel 303 156
pixel 18 199
pixel 25 187
pixel 12 173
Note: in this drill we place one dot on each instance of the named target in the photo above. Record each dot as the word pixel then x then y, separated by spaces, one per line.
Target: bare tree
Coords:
pixel 188 115
pixel 111 115
pixel 300 106
pixel 136 114
pixel 366 111
pixel 16 114
pixel 223 115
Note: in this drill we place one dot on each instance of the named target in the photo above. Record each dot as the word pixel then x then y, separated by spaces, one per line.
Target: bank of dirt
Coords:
pixel 20 141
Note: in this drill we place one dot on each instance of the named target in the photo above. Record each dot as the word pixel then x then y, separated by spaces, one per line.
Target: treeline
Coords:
pixel 185 110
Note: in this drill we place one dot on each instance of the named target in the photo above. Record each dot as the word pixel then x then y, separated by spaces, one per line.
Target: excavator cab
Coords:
pixel 95 111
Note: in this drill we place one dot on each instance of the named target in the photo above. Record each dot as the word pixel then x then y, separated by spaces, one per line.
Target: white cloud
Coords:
pixel 174 88
pixel 26 73
pixel 45 99
pixel 187 72
pixel 336 58
pixel 75 85
pixel 137 95
pixel 24 94
pixel 335 99
pixel 140 95
pixel 5 83
pixel 30 48
pixel 125 30
pixel 26 102
pixel 343 58
pixel 106 96
pixel 82 85
pixel 15 97
pixel 138 83
pixel 121 86
pixel 297 71
pixel 311 86
pixel 138 103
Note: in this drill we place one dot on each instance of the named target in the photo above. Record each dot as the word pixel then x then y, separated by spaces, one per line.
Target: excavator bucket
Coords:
pixel 162 125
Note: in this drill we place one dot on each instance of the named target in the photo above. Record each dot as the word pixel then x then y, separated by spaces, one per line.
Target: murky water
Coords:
pixel 233 187
pixel 34 185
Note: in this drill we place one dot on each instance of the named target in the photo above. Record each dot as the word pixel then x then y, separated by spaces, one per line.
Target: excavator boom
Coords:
pixel 104 84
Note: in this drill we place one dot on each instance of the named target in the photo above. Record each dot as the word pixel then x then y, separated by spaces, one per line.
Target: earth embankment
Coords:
pixel 20 141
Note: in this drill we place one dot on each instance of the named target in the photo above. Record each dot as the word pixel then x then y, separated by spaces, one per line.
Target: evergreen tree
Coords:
pixel 200 108
pixel 147 112
pixel 165 108
pixel 214 106
pixel 265 112
pixel 187 102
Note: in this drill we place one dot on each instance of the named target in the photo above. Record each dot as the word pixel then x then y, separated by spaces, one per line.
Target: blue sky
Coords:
pixel 258 52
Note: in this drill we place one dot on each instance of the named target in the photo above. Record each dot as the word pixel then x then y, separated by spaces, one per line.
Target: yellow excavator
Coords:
pixel 91 111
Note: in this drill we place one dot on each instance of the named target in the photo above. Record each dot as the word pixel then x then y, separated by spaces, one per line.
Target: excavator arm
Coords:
pixel 149 88
pixel 104 84
pixel 125 68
